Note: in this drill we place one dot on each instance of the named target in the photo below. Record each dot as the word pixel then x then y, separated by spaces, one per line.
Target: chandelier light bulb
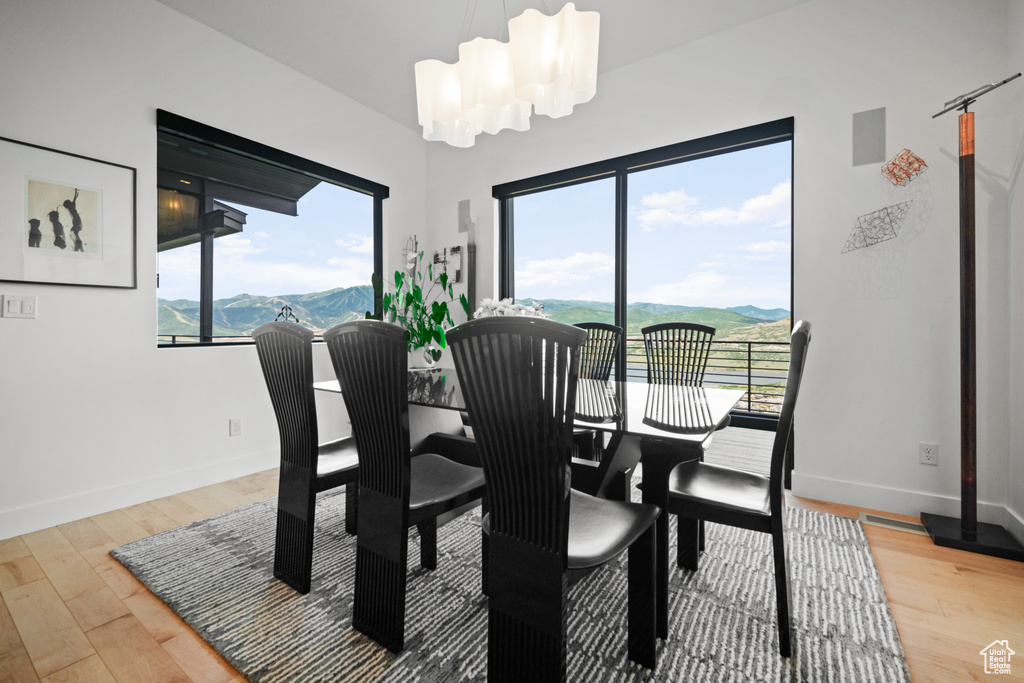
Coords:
pixel 439 104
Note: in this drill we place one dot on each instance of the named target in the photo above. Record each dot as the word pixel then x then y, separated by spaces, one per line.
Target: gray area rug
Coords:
pixel 217 575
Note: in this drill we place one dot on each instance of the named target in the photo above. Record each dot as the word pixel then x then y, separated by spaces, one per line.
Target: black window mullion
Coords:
pixel 378 247
pixel 621 213
pixel 206 287
pixel 506 249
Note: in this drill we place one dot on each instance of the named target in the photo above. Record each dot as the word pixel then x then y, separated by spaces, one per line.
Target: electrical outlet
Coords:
pixel 235 426
pixel 928 453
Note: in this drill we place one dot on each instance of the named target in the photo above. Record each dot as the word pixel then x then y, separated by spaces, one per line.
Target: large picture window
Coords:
pixel 699 232
pixel 248 234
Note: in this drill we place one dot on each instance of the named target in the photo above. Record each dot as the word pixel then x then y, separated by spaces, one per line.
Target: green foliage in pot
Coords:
pixel 418 305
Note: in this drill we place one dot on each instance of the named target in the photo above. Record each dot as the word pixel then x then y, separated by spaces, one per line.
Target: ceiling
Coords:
pixel 366 50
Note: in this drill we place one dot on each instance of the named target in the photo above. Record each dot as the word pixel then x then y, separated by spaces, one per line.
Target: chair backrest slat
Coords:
pixel 286 357
pixel 371 361
pixel 677 353
pixel 518 377
pixel 598 355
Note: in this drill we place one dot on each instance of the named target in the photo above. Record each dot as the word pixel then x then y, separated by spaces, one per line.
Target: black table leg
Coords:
pixel 658 458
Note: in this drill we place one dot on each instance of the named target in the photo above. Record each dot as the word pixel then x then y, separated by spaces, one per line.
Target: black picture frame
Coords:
pixel 66 219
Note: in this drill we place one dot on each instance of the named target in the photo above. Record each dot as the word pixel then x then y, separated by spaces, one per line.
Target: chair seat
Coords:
pixel 337 456
pixel 436 479
pixel 722 487
pixel 600 529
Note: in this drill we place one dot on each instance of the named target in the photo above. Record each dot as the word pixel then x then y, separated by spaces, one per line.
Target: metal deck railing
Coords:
pixel 757 367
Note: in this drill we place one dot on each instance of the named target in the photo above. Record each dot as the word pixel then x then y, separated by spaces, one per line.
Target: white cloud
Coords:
pixel 773 207
pixel 713 289
pixel 235 247
pixel 357 244
pixel 765 250
pixel 181 262
pixel 663 209
pixel 562 271
pixel 293 278
pixel 179 273
pixel 693 290
pixel 666 208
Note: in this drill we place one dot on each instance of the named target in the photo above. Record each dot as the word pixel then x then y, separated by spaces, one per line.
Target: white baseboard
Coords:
pixel 48 513
pixel 1013 523
pixel 888 499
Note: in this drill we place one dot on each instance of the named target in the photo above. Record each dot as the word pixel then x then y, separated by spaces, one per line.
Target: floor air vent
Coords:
pixel 889 523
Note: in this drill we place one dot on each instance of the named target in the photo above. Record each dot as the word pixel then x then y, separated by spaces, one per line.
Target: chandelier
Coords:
pixel 549 65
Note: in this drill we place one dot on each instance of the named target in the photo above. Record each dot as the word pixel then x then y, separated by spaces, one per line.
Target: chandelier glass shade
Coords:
pixel 549 65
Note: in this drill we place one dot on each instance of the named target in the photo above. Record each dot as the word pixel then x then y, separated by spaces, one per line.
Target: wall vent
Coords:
pixel 889 523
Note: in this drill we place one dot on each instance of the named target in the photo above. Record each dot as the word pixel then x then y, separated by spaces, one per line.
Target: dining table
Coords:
pixel 657 425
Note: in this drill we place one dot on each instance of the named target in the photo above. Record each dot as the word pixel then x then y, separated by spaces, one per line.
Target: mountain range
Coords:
pixel 239 315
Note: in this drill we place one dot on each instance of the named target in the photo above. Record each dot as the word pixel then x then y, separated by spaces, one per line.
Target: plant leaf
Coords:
pixel 438 310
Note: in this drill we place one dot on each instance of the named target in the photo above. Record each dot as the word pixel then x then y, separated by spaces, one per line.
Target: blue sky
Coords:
pixel 329 244
pixel 711 232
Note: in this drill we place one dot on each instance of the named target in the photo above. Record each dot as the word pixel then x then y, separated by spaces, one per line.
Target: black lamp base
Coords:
pixel 991 539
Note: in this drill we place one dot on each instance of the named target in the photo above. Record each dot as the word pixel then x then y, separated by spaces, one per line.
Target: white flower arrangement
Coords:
pixel 490 307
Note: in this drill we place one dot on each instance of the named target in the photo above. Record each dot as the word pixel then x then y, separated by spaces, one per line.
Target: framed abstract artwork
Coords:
pixel 65 219
pixel 448 260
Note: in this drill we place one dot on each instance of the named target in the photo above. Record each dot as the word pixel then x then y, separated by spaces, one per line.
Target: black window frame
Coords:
pixel 173 124
pixel 779 130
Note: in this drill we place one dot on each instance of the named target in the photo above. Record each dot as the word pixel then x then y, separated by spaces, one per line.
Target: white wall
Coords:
pixel 1015 146
pixel 93 416
pixel 883 370
pixel 125 422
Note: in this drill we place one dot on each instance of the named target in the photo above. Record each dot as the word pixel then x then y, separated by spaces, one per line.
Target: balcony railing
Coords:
pixel 757 367
pixel 194 339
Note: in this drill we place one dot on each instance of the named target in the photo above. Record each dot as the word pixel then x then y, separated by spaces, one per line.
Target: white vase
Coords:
pixel 424 356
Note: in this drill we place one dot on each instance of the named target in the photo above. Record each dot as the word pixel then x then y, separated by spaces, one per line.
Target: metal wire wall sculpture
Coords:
pixel 877 226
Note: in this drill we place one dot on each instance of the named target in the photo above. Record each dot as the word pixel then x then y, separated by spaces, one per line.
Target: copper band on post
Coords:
pixel 966 133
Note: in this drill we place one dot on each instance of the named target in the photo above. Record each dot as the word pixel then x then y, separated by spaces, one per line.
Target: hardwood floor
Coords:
pixel 70 612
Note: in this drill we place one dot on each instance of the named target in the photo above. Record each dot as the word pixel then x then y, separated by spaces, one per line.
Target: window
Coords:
pixel 699 231
pixel 248 234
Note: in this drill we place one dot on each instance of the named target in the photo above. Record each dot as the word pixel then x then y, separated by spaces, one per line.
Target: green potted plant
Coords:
pixel 420 306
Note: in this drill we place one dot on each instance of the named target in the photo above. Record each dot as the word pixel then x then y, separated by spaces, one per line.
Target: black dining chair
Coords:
pixel 396 490
pixel 519 379
pixel 596 361
pixel 677 352
pixel 723 495
pixel 307 466
pixel 597 358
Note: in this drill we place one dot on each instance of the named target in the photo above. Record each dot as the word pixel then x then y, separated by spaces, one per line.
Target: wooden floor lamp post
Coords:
pixel 967 533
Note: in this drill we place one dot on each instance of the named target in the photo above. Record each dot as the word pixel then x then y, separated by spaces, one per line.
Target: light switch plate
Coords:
pixel 19 306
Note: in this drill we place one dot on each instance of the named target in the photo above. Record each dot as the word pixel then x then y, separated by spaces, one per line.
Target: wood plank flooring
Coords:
pixel 70 612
